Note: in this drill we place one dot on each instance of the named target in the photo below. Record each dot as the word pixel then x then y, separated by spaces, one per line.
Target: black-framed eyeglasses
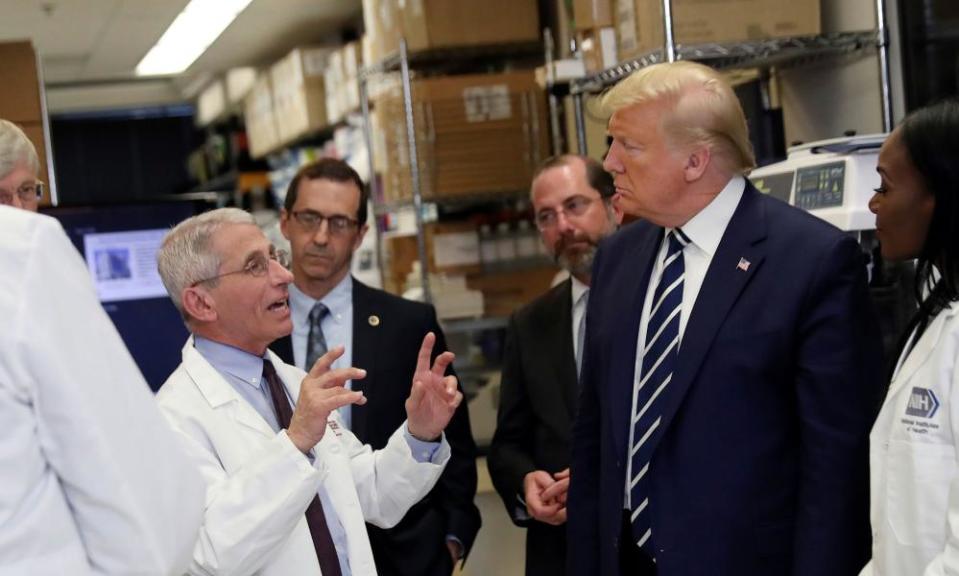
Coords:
pixel 257 266
pixel 27 192
pixel 311 221
pixel 575 206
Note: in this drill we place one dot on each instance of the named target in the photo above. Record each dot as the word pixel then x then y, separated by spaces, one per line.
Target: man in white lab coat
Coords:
pixel 92 480
pixel 289 488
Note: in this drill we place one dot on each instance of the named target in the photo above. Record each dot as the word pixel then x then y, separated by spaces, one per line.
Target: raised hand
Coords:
pixel 434 397
pixel 322 392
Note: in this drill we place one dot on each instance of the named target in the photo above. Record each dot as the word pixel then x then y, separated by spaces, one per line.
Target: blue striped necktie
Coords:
pixel 659 358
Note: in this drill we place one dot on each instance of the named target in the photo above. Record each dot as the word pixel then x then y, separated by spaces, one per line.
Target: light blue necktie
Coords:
pixel 315 341
pixel 659 359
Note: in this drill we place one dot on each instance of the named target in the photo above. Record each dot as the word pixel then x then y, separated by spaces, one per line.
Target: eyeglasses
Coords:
pixel 337 225
pixel 28 192
pixel 575 206
pixel 257 266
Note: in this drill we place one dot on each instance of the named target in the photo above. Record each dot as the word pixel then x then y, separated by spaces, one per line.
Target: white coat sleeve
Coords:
pixel 250 513
pixel 134 495
pixel 946 563
pixel 388 481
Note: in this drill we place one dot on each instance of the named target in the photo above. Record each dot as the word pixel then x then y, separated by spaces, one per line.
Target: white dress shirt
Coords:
pixel 92 479
pixel 337 328
pixel 705 231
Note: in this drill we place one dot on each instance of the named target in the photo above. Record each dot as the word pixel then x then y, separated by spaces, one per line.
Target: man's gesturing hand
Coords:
pixel 434 397
pixel 322 392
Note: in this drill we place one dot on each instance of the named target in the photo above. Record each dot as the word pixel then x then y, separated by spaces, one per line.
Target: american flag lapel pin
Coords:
pixel 743 265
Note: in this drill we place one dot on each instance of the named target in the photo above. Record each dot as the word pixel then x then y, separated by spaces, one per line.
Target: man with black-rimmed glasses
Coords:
pixel 324 218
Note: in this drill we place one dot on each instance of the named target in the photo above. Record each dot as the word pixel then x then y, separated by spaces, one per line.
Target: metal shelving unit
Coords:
pixel 762 54
pixel 437 61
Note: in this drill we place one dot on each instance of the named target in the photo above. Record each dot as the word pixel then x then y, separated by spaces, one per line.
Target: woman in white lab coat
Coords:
pixel 913 445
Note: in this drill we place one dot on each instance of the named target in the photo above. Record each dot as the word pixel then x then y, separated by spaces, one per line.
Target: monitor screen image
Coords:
pixel 119 244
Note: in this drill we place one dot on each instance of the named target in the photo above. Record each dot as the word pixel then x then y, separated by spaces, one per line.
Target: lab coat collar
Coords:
pixel 922 350
pixel 218 392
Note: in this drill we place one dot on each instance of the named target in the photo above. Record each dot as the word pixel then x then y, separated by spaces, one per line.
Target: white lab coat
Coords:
pixel 259 484
pixel 92 480
pixel 914 464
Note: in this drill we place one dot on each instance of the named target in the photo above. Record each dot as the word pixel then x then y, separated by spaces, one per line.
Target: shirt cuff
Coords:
pixel 422 451
pixel 520 512
pixel 451 538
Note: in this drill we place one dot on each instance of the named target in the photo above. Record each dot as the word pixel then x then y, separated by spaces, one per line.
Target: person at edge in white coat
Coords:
pixel 92 479
pixel 914 464
pixel 264 479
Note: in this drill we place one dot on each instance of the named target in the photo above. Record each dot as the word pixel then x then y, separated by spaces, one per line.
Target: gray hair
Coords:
pixel 186 257
pixel 16 149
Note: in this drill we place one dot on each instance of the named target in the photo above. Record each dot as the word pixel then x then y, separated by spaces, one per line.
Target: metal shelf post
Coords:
pixel 415 171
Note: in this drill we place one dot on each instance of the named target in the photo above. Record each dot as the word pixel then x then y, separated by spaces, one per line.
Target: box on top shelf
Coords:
pixel 340 77
pixel 476 134
pixel 590 14
pixel 261 127
pixel 299 94
pixel 430 24
pixel 639 23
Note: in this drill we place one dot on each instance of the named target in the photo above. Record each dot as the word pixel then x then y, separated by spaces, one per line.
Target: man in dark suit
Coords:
pixel 731 367
pixel 324 218
pixel 529 456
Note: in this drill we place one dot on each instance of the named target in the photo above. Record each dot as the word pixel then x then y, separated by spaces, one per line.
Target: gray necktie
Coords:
pixel 315 341
pixel 581 331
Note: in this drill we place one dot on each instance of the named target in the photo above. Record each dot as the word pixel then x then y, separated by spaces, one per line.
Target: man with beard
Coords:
pixel 529 455
pixel 324 218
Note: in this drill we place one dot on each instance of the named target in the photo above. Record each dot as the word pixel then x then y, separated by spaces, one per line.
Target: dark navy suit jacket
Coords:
pixel 761 460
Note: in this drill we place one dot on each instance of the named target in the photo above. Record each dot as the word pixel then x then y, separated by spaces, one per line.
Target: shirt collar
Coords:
pixel 339 301
pixel 230 360
pixel 578 289
pixel 705 230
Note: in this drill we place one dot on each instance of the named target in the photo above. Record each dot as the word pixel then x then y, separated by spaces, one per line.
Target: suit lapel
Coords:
pixel 724 282
pixel 636 267
pixel 560 333
pixel 365 342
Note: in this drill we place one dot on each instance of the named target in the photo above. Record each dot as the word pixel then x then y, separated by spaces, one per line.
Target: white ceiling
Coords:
pixel 89 48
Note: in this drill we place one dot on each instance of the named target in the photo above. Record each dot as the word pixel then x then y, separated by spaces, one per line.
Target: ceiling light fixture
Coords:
pixel 190 34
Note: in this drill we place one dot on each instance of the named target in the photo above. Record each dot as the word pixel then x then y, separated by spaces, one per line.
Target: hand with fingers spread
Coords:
pixel 322 392
pixel 434 396
pixel 536 484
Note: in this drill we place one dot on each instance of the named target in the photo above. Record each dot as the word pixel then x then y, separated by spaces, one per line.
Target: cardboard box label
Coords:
pixel 487 103
pixel 456 249
pixel 626 25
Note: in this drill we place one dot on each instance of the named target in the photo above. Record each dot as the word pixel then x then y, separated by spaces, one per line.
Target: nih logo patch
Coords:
pixel 922 403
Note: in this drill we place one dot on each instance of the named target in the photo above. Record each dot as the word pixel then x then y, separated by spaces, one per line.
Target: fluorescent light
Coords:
pixel 190 34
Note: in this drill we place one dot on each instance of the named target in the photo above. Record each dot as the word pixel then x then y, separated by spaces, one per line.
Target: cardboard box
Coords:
pixel 261 127
pixel 639 23
pixel 299 93
pixel 504 292
pixel 476 134
pixel 428 24
pixel 598 47
pixel 591 14
pixel 20 96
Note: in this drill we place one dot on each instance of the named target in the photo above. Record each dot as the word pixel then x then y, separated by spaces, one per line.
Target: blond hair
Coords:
pixel 704 109
pixel 186 256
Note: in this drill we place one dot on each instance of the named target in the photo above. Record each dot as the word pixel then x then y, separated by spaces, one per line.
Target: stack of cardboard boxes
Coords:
pixel 475 134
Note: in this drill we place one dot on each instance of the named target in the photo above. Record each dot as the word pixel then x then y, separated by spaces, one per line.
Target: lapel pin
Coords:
pixel 743 265
pixel 374 320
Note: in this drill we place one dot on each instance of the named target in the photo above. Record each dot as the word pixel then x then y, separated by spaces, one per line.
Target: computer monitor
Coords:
pixel 119 244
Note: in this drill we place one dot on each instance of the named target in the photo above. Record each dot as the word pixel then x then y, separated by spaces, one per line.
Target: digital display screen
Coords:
pixel 119 244
pixel 778 186
pixel 820 186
